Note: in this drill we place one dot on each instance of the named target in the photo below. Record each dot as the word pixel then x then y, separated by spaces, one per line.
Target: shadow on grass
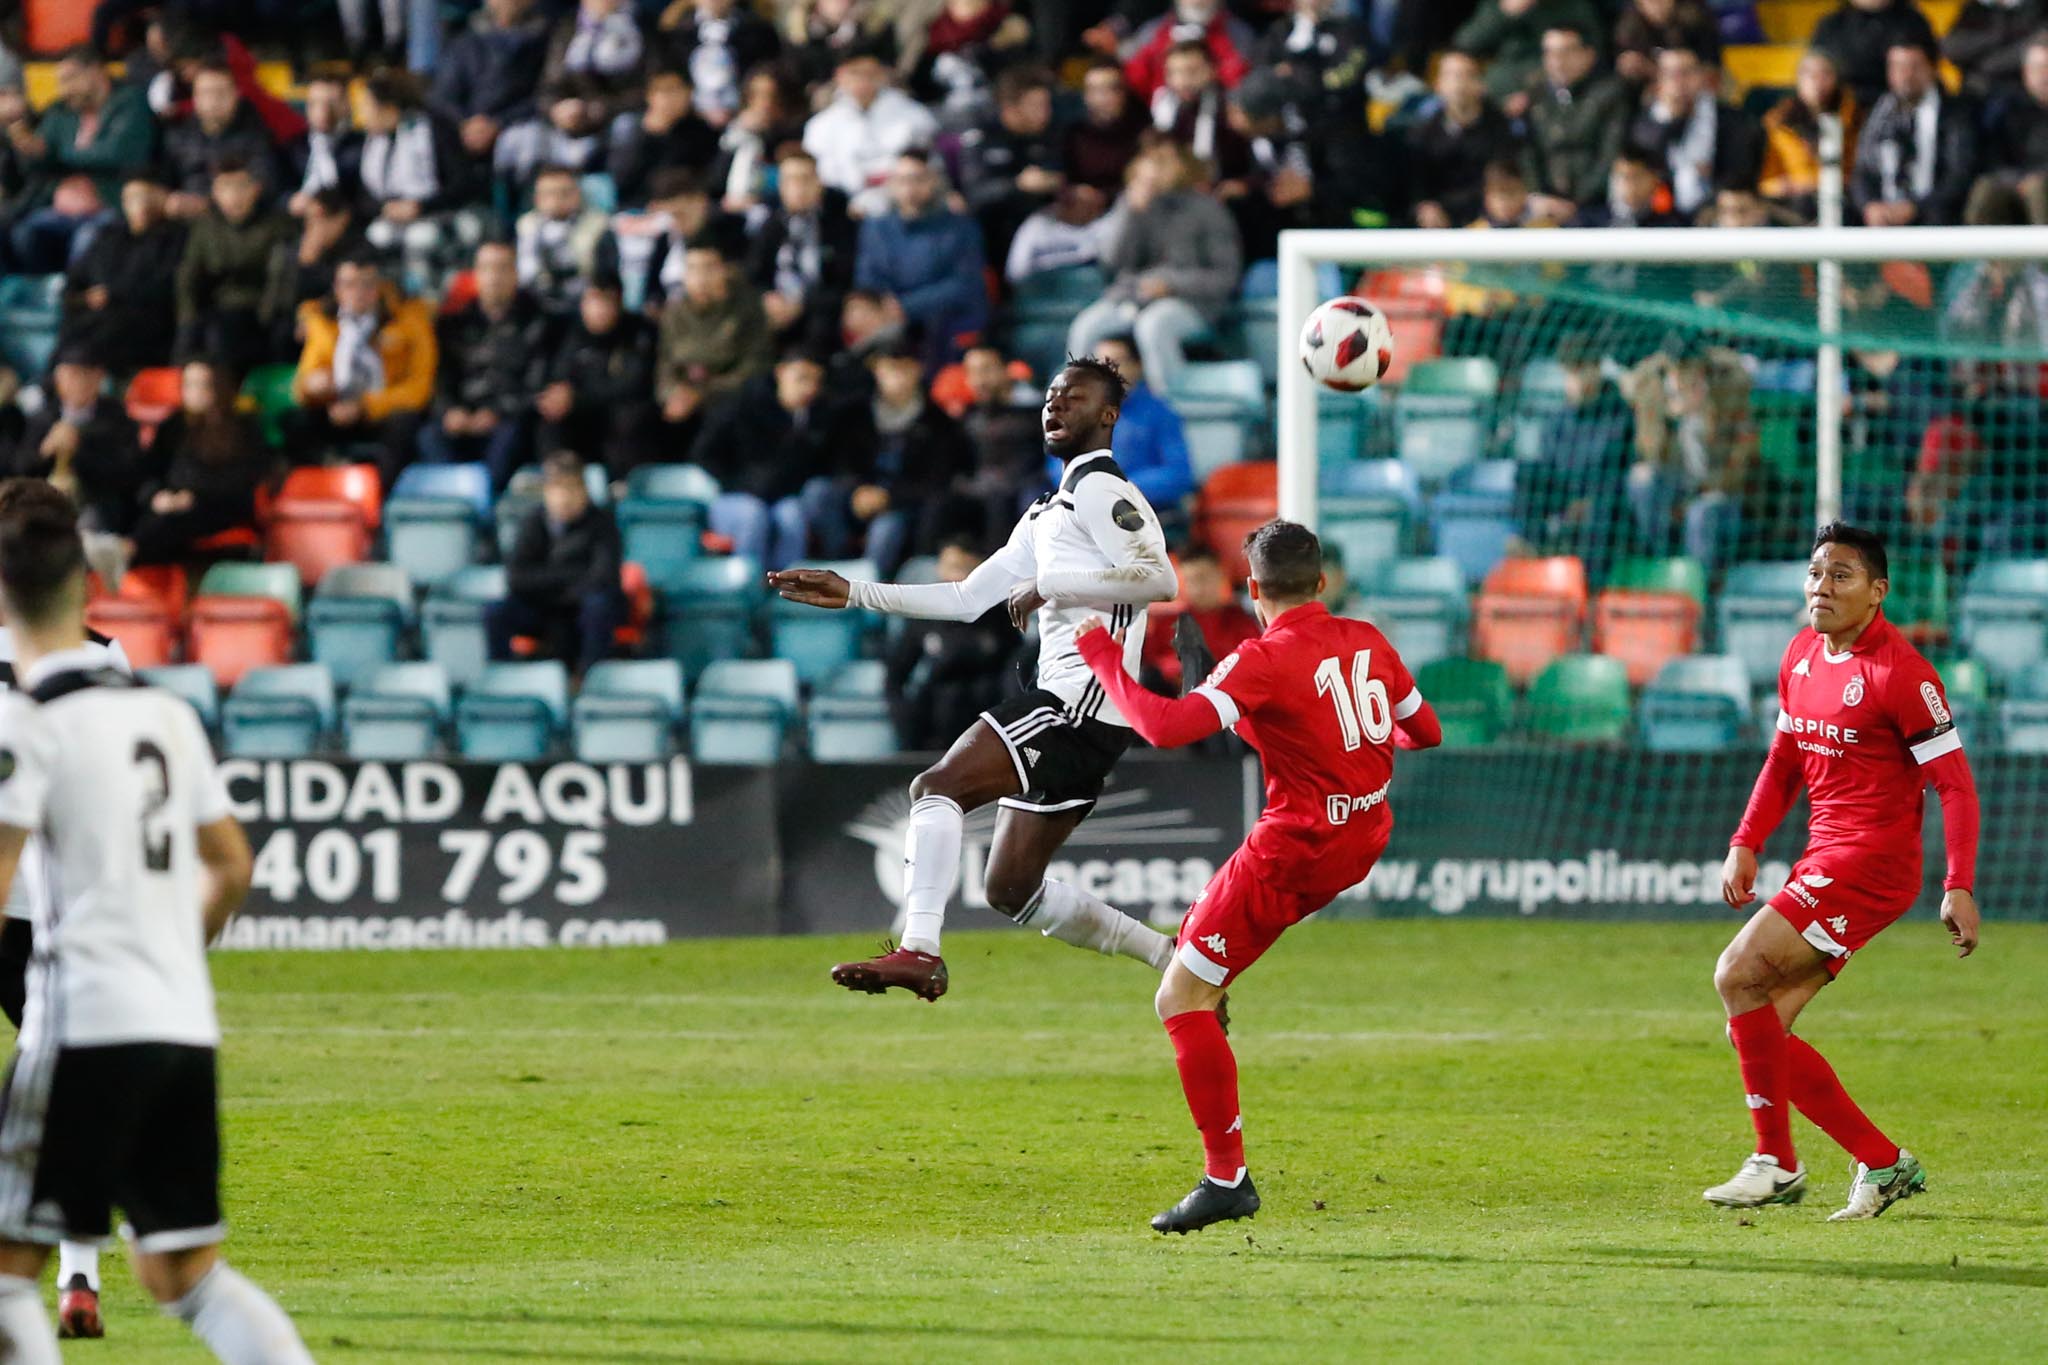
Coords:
pixel 1645 1258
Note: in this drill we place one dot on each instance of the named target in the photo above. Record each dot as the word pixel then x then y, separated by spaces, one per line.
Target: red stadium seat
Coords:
pixel 161 585
pixel 360 484
pixel 1528 613
pixel 148 634
pixel 1645 630
pixel 315 534
pixel 1237 500
pixel 154 394
pixel 1417 336
pixel 1547 576
pixel 232 635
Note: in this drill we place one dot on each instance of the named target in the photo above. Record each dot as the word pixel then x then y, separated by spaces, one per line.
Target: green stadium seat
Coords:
pixel 452 621
pixel 278 581
pixel 280 712
pixel 1678 573
pixel 2004 616
pixel 820 643
pixel 628 711
pixel 709 613
pixel 269 387
pixel 1420 604
pixel 1580 698
pixel 397 713
pixel 1471 697
pixel 512 713
pixel 849 718
pixel 1057 295
pixel 358 618
pixel 1697 704
pixel 743 710
pixel 193 682
pixel 1967 685
pixel 1919 594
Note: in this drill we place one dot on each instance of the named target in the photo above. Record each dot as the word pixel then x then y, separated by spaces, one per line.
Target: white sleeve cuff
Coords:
pixel 1225 707
pixel 1409 704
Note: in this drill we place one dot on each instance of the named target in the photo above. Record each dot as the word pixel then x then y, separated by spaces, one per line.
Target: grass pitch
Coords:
pixel 1474 1141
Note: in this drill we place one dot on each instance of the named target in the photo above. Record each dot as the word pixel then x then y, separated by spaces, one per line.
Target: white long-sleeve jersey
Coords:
pixel 1093 547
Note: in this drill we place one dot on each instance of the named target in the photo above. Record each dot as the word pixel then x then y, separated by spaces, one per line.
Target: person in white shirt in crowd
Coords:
pixel 858 136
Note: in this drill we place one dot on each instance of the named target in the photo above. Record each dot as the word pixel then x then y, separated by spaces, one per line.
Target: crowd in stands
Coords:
pixel 780 242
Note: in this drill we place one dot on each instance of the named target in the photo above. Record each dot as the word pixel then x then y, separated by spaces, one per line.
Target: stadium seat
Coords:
pixel 1442 413
pixel 1420 604
pixel 526 481
pixel 1385 482
pixel 742 710
pixel 507 518
pixel 512 713
pixel 1475 544
pixel 314 535
pixel 1645 630
pixel 2004 616
pixel 1342 423
pixel 470 483
pixel 278 712
pixel 1418 336
pixel 193 682
pixel 360 484
pixel 1539 396
pixel 628 711
pixel 154 394
pixel 146 631
pixel 163 585
pixel 849 719
pixel 269 387
pixel 674 482
pixel 279 581
pixel 1057 294
pixel 1235 502
pixel 709 613
pixel 662 536
pixel 820 643
pixel 1967 685
pixel 1582 698
pixel 1529 612
pixel 1918 601
pixel 1471 697
pixel 1759 611
pixel 358 619
pixel 1230 381
pixel 1697 704
pixel 432 539
pixel 452 622
pixel 232 635
pixel 1678 573
pixel 396 713
pixel 1218 434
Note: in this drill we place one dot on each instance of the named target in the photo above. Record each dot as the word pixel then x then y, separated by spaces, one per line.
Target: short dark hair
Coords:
pixel 41 553
pixel 1924 48
pixel 215 65
pixel 1636 156
pixel 396 88
pixel 1286 559
pixel 333 199
pixel 555 171
pixel 232 164
pixel 565 465
pixel 1198 554
pixel 673 182
pixel 1015 82
pixel 1105 370
pixel 1865 543
pixel 1192 47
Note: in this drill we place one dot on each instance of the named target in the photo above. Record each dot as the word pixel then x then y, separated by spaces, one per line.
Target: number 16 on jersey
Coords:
pixel 1364 711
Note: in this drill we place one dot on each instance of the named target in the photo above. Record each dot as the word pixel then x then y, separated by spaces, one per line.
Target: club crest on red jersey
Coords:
pixel 1853 693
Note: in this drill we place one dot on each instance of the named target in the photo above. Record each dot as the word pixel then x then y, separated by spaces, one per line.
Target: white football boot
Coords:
pixel 1761 1181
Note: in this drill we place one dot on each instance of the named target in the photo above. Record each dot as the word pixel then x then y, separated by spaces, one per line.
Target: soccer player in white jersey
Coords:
pixel 110 1099
pixel 1091 546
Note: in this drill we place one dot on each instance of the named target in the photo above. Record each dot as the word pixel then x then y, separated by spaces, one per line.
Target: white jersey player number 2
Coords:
pixel 1364 711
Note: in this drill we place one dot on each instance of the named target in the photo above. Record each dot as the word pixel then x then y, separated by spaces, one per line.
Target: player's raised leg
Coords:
pixel 1766 957
pixel 1017 886
pixel 240 1323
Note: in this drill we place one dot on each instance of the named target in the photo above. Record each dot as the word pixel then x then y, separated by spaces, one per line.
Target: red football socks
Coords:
pixel 1813 1087
pixel 1208 1076
pixel 1759 1038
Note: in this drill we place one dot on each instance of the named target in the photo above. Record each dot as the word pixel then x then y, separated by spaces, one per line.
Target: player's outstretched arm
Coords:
pixel 1164 722
pixel 1421 730
pixel 1953 782
pixel 989 584
pixel 224 854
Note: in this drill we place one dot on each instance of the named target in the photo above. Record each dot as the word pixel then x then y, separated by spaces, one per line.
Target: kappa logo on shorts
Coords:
pixel 1840 924
pixel 1215 944
pixel 1853 693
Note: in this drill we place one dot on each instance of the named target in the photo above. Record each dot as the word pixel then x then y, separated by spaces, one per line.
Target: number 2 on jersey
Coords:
pixel 156 832
pixel 1364 712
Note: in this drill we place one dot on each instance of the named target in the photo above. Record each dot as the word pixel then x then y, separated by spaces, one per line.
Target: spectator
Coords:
pixel 963 48
pixel 186 48
pixel 927 258
pixel 1315 50
pixel 1449 151
pixel 770 445
pixel 1988 44
pixel 221 128
pixel 717 42
pixel 1695 444
pixel 599 398
pixel 1008 441
pixel 714 338
pixel 822 33
pixel 489 75
pixel 1698 141
pixel 1648 27
pixel 1065 234
pixel 224 272
pixel 119 291
pixel 916 457
pixel 83 442
pixel 943 674
pixel 858 136
pixel 667 132
pixel 332 158
pixel 1173 253
pixel 591 75
pixel 203 468
pixel 801 251
pixel 1098 149
pixel 1790 176
pixel 869 324
pixel 1206 599
pixel 2014 186
pixel 1011 170
pixel 1861 33
pixel 492 352
pixel 74 161
pixel 562 577
pixel 558 240
pixel 1205 23
pixel 1578 119
pixel 748 146
pixel 328 235
pixel 367 371
pixel 1505 201
pixel 1514 38
pixel 1917 157
pixel 415 170
pixel 649 247
pixel 1189 107
pixel 1151 444
pixel 1301 174
pixel 1569 500
pixel 1633 187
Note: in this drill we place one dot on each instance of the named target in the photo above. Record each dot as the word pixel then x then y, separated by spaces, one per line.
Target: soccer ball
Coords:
pixel 1346 345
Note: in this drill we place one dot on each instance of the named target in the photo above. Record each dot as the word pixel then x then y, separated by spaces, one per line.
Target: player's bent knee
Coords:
pixel 168 1276
pixel 1009 896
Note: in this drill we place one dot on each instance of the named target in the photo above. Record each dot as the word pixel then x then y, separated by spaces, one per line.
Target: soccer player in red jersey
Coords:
pixel 1863 722
pixel 1325 701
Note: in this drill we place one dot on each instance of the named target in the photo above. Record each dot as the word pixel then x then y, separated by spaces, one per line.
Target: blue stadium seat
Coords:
pixel 1696 704
pixel 628 711
pixel 398 712
pixel 232 579
pixel 1476 544
pixel 1442 413
pixel 1539 396
pixel 470 483
pixel 1342 423
pixel 710 612
pixel 849 718
pixel 2004 617
pixel 1759 613
pixel 1367 510
pixel 675 482
pixel 432 539
pixel 452 622
pixel 358 619
pixel 193 682
pixel 512 713
pixel 662 536
pixel 1217 431
pixel 820 643
pixel 1420 603
pixel 1231 381
pixel 742 710
pixel 1057 294
pixel 279 712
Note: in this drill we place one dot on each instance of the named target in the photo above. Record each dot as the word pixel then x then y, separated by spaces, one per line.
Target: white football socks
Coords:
pixel 242 1324
pixel 78 1258
pixel 1071 915
pixel 931 858
pixel 26 1336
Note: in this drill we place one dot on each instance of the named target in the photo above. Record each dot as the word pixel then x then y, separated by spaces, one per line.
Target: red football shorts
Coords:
pixel 1836 910
pixel 1237 917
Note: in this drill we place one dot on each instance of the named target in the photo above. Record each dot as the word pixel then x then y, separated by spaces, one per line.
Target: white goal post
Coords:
pixel 1302 251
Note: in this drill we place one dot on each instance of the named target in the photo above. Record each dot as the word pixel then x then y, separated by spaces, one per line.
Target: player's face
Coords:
pixel 1840 593
pixel 1073 417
